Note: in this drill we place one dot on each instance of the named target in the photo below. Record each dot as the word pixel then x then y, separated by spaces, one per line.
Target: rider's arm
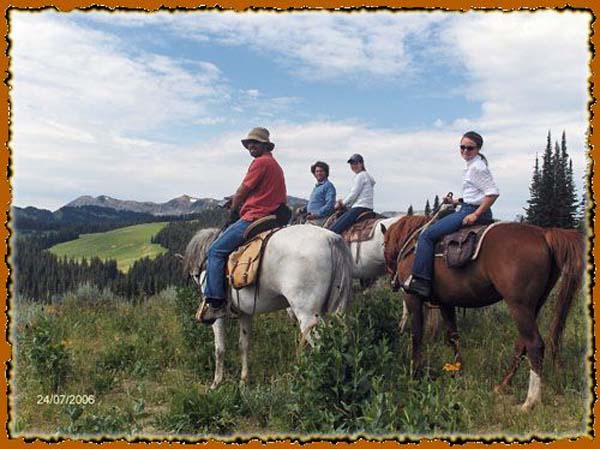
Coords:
pixel 484 181
pixel 485 205
pixel 329 205
pixel 357 186
pixel 239 197
pixel 253 177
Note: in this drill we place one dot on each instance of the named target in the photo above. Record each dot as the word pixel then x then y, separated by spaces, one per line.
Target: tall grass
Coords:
pixel 149 365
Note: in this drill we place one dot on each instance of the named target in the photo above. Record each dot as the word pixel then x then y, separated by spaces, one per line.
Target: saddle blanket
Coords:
pixel 243 265
pixel 361 231
pixel 462 246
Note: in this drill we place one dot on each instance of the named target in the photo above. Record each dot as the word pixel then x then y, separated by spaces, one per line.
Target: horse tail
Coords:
pixel 340 286
pixel 567 248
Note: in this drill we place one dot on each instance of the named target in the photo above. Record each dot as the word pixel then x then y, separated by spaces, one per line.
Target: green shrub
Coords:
pixel 203 413
pixel 114 420
pixel 199 339
pixel 332 385
pixel 43 348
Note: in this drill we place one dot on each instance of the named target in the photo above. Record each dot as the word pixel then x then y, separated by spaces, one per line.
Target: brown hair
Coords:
pixel 322 165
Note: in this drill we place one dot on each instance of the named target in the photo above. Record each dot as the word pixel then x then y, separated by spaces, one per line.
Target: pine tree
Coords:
pixel 436 203
pixel 570 202
pixel 558 216
pixel 533 212
pixel 553 199
pixel 410 210
pixel 427 208
pixel 547 187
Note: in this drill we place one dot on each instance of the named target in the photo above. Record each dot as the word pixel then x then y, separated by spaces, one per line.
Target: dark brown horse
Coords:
pixel 519 263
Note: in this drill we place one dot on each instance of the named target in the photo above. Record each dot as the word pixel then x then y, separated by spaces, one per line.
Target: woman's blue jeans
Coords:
pixel 218 252
pixel 347 219
pixel 423 265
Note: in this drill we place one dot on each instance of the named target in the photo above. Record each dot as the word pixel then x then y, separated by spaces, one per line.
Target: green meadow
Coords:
pixel 125 245
pixel 94 365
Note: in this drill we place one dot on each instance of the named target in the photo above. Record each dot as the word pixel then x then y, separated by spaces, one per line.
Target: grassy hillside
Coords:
pixel 147 369
pixel 125 245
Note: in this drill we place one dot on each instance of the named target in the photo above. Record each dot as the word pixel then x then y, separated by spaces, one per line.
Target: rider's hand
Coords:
pixel 310 216
pixel 339 204
pixel 470 219
pixel 234 216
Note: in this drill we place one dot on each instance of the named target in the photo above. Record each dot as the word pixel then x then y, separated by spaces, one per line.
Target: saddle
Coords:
pixel 457 248
pixel 363 229
pixel 462 246
pixel 243 265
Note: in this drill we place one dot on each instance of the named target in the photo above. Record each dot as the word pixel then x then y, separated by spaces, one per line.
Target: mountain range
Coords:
pixel 182 205
pixel 104 210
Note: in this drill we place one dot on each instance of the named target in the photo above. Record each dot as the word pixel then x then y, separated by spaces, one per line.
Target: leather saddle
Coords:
pixel 363 229
pixel 457 248
pixel 462 246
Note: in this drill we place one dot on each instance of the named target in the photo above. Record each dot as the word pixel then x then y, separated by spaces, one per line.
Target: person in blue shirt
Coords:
pixel 322 199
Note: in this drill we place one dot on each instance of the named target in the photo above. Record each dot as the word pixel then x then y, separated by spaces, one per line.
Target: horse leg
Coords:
pixel 452 337
pixel 307 322
pixel 534 344
pixel 520 352
pixel 219 331
pixel 404 319
pixel 290 314
pixel 245 331
pixel 415 307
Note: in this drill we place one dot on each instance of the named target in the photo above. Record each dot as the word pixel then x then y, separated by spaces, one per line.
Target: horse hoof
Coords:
pixel 215 385
pixel 525 408
pixel 528 406
pixel 417 374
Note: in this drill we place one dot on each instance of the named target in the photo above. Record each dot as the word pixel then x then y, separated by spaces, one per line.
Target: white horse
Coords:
pixel 368 261
pixel 304 267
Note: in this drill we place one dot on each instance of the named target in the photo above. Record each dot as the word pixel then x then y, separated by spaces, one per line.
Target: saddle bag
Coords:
pixel 459 251
pixel 243 265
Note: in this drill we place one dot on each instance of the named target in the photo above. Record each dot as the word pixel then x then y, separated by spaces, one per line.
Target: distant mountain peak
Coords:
pixel 182 205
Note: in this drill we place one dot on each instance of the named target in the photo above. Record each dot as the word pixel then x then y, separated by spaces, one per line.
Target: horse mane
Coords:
pixel 195 251
pixel 399 231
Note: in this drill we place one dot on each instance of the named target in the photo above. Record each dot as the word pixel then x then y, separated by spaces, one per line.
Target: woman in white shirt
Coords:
pixel 360 198
pixel 479 193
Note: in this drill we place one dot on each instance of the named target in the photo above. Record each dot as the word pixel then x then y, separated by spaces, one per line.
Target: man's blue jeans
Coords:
pixel 219 250
pixel 423 265
pixel 347 219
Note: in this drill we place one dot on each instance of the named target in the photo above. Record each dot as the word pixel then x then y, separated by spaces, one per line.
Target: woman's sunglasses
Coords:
pixel 467 147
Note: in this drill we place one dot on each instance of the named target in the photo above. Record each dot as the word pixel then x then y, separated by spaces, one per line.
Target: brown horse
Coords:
pixel 519 263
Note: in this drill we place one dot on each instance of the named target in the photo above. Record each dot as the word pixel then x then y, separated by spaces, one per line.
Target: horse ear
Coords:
pixel 383 228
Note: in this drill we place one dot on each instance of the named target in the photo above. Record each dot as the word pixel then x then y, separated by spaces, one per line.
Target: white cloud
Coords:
pixel 254 93
pixel 82 114
pixel 524 64
pixel 314 45
pixel 82 78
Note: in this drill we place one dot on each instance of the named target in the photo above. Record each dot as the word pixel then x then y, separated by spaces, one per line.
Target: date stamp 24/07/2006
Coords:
pixel 65 399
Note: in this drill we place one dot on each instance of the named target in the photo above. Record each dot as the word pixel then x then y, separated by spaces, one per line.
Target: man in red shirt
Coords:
pixel 261 193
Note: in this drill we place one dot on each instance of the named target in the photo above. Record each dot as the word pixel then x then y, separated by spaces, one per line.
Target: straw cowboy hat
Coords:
pixel 258 135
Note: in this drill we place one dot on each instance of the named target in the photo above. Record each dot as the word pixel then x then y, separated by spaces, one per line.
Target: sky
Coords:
pixel 150 106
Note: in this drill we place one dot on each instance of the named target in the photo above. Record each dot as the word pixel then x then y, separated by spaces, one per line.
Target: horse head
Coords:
pixel 395 237
pixel 195 253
